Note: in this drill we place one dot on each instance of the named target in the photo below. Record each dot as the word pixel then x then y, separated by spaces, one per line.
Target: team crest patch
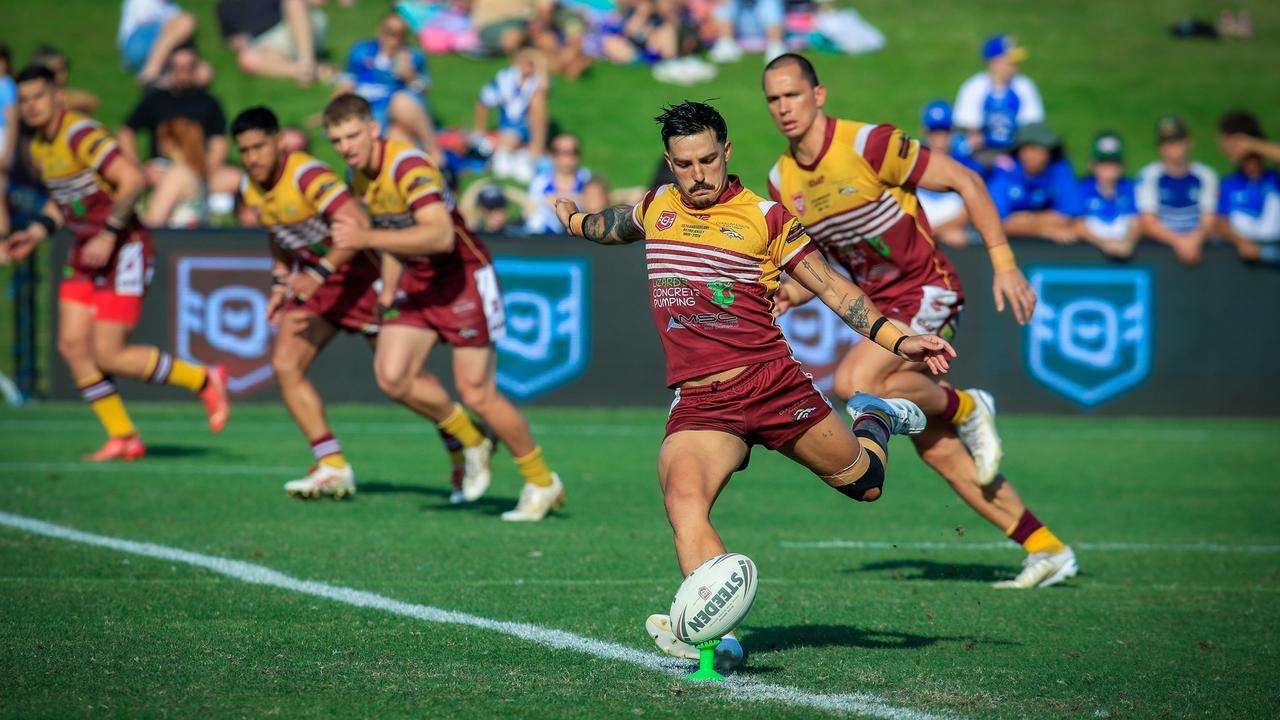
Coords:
pixel 219 315
pixel 798 199
pixel 547 307
pixel 1090 337
pixel 666 219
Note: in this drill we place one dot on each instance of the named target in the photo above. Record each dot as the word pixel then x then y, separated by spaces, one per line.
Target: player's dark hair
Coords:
pixel 1240 122
pixel 690 118
pixel 35 72
pixel 346 107
pixel 806 68
pixel 45 54
pixel 4 54
pixel 255 118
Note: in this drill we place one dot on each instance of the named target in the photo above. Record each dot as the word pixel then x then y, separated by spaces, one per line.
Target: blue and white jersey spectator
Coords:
pixel 1179 198
pixel 565 178
pixel 512 93
pixel 994 103
pixel 1108 200
pixel 377 75
pixel 945 210
pixel 1250 205
pixel 1037 196
pixel 519 94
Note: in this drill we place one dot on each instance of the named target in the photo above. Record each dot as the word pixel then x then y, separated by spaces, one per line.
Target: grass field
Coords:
pixel 880 610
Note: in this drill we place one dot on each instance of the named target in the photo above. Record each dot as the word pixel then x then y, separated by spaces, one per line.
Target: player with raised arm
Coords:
pixel 854 185
pixel 94 189
pixel 715 252
pixel 445 290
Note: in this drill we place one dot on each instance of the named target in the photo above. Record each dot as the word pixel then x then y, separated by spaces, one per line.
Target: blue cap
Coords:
pixel 937 116
pixel 1001 45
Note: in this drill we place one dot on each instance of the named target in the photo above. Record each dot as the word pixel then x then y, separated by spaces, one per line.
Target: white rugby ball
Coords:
pixel 714 598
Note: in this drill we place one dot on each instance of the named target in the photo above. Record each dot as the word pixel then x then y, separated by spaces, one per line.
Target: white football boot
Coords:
pixel 536 501
pixel 324 480
pixel 905 417
pixel 477 472
pixel 1041 570
pixel 729 653
pixel 979 435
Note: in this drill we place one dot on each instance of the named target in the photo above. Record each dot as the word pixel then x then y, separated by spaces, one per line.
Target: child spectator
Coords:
pixel 1249 203
pixel 945 210
pixel 1108 206
pixel 519 94
pixel 1037 196
pixel 1177 197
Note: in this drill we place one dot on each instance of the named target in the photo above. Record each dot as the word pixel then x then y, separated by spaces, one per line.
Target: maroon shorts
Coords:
pixel 114 291
pixel 347 299
pixel 464 307
pixel 925 308
pixel 767 404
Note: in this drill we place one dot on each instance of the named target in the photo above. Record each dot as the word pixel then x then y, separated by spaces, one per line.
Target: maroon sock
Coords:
pixel 1027 524
pixel 953 402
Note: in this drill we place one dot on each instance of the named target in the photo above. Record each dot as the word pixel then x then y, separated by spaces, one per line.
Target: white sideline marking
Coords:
pixel 1010 545
pixel 149 466
pixel 743 688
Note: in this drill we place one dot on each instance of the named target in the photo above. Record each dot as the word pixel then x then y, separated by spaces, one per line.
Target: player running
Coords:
pixel 446 290
pixel 715 252
pixel 93 189
pixel 317 289
pixel 853 185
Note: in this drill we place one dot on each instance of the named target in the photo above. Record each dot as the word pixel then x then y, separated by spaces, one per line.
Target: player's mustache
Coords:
pixel 701 186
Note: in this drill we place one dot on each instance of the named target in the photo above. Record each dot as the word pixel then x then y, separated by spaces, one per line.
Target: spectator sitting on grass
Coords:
pixel 1108 207
pixel 1177 197
pixel 274 38
pixel 945 210
pixel 658 33
pixel 736 18
pixel 992 105
pixel 565 179
pixel 519 94
pixel 150 30
pixel 487 208
pixel 560 32
pixel 1037 196
pixel 502 26
pixel 1249 201
pixel 393 77
pixel 81 101
pixel 179 198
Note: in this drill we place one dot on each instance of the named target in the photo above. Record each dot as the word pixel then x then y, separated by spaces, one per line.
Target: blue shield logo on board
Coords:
pixel 547 339
pixel 1090 337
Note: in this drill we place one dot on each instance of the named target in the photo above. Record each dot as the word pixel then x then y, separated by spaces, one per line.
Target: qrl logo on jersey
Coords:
pixel 1090 336
pixel 220 316
pixel 798 199
pixel 666 219
pixel 546 304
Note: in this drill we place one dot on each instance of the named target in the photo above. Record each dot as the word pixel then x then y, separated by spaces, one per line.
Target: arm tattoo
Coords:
pixel 856 316
pixel 611 226
pixel 818 278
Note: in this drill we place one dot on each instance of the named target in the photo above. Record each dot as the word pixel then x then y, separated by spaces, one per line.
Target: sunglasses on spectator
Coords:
pixel 565 150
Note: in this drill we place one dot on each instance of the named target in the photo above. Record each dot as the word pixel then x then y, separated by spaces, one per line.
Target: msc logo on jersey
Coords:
pixel 1090 337
pixel 220 316
pixel 547 339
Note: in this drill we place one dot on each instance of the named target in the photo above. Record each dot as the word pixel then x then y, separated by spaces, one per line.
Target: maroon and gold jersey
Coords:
pixel 71 165
pixel 406 182
pixel 297 207
pixel 712 276
pixel 858 201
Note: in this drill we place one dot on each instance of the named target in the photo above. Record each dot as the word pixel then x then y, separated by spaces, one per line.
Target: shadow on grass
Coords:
pixel 932 570
pixel 819 636
pixel 487 505
pixel 179 451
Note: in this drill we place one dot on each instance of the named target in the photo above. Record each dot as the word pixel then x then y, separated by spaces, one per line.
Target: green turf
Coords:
pixel 1142 633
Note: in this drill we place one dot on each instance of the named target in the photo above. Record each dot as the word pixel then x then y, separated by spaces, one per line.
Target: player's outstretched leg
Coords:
pixel 474 371
pixel 75 345
pixel 300 338
pixel 113 353
pixel 693 467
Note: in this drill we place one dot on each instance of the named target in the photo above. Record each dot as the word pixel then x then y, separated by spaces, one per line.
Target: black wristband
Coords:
pixel 898 343
pixel 49 224
pixel 113 227
pixel 277 280
pixel 875 328
pixel 320 270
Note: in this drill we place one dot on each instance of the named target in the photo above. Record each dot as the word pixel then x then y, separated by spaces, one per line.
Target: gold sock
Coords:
pixel 165 369
pixel 336 460
pixel 964 409
pixel 101 394
pixel 459 425
pixel 1043 541
pixel 534 468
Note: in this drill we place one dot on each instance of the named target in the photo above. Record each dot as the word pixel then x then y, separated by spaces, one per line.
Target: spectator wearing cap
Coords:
pixel 945 210
pixel 1037 196
pixel 565 179
pixel 994 103
pixel 1249 203
pixel 1108 206
pixel 487 208
pixel 1177 197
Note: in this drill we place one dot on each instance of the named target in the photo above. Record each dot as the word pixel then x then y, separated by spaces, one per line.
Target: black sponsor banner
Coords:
pixel 1143 337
